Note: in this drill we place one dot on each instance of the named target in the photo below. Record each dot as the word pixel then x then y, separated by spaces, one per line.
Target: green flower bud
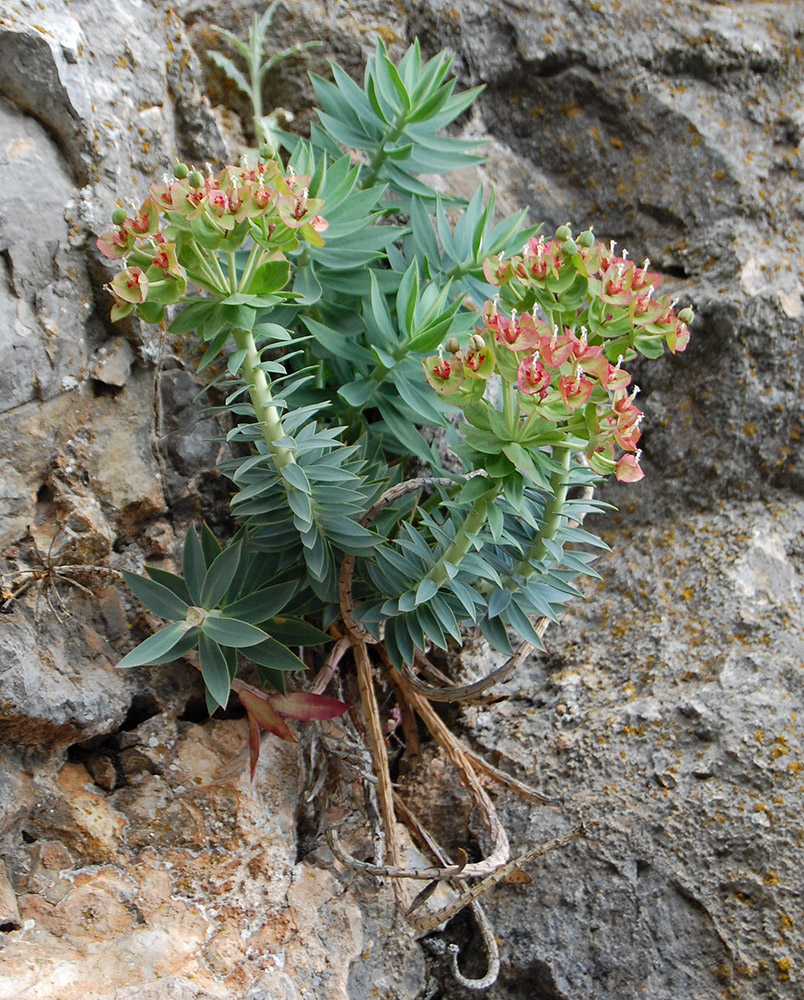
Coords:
pixel 452 345
pixel 586 238
pixel 569 247
pixel 119 216
pixel 267 151
pixel 180 171
pixel 686 315
pixel 196 179
pixel 563 233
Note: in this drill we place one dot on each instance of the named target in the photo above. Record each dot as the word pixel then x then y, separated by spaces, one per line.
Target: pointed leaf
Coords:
pixel 154 647
pixel 305 706
pixel 231 631
pixel 273 678
pixel 259 708
pixel 271 653
pixel 158 598
pixel 214 670
pixel 262 604
pixel 295 632
pixel 193 567
pixel 171 581
pixel 229 68
pixel 210 545
pixel 219 576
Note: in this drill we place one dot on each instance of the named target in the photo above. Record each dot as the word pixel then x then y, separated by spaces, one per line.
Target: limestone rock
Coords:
pixel 179 883
pixel 665 712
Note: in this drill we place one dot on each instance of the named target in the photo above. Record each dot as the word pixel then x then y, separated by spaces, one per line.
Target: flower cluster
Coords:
pixel 170 238
pixel 614 298
pixel 565 367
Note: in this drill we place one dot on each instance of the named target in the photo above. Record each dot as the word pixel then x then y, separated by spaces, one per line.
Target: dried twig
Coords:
pixel 434 920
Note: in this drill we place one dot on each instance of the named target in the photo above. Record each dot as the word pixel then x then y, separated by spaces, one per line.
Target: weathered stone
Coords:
pixel 684 751
pixel 112 363
pixel 44 303
pixel 9 911
pixel 80 817
pixel 70 703
pixel 215 905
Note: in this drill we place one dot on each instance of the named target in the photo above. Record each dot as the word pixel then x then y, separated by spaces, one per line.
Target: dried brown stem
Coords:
pixel 371 714
pixel 465 692
pixel 325 674
pixel 434 920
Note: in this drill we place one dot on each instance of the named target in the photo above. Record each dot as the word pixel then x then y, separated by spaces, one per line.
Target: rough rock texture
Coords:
pixel 137 864
pixel 176 879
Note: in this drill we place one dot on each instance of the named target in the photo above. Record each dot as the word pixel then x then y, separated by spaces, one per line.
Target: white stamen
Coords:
pixel 624 254
pixel 612 245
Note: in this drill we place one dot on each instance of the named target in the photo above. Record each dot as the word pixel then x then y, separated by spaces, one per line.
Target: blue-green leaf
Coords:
pixel 214 670
pixel 154 647
pixel 219 576
pixel 159 599
pixel 262 604
pixel 270 653
pixel 193 566
pixel 171 581
pixel 231 631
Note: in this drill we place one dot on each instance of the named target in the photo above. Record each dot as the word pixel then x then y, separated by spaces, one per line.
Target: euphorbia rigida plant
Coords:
pixel 348 309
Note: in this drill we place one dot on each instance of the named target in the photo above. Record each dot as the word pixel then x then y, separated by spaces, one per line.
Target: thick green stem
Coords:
pixel 393 133
pixel 260 394
pixel 473 522
pixel 553 513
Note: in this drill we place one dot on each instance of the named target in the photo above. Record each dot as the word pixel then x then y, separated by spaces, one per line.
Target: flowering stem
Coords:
pixel 472 523
pixel 509 406
pixel 214 280
pixel 223 284
pixel 232 262
pixel 553 513
pixel 253 262
pixel 260 394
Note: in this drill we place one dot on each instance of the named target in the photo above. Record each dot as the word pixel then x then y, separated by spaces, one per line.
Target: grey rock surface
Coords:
pixel 668 707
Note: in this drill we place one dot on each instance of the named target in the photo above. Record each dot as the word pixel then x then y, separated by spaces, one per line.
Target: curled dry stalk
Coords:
pixel 417 694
